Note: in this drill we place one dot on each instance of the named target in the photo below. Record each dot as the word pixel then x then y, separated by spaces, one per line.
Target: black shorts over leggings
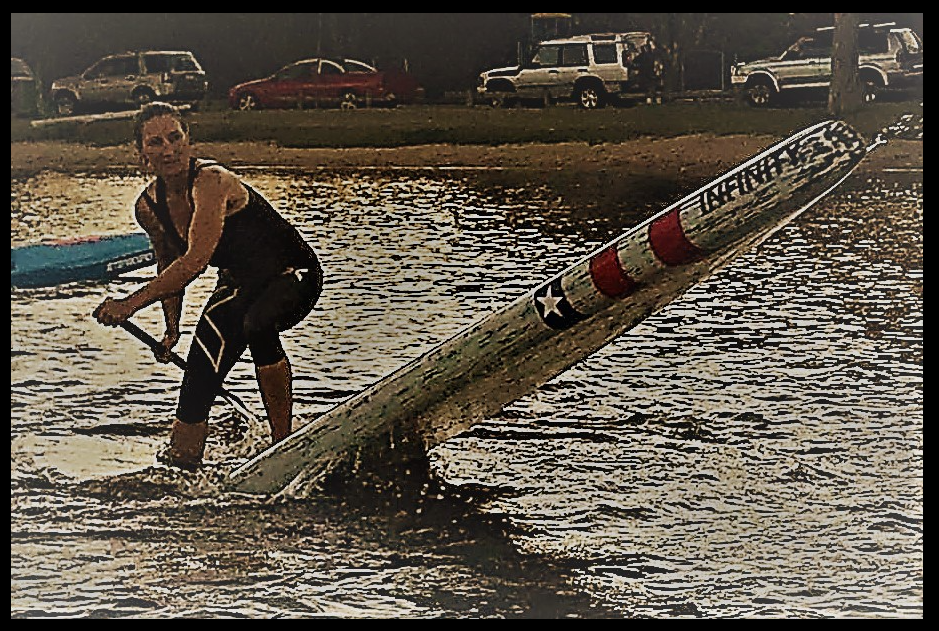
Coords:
pixel 238 317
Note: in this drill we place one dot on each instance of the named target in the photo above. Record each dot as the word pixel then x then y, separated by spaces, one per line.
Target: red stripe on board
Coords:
pixel 669 242
pixel 608 275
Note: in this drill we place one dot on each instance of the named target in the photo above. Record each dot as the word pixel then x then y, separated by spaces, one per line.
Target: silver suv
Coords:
pixel 888 58
pixel 592 70
pixel 132 78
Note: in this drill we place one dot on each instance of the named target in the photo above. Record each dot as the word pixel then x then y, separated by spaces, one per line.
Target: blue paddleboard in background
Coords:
pixel 94 258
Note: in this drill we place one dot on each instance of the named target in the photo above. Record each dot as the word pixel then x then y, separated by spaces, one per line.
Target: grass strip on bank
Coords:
pixel 463 125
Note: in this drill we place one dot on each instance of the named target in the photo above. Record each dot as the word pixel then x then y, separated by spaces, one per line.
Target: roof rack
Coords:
pixel 865 25
pixel 615 37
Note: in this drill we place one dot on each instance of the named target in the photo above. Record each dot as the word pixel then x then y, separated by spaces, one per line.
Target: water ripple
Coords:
pixel 755 449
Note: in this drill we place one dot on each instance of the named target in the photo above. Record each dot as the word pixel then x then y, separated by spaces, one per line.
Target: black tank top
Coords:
pixel 256 242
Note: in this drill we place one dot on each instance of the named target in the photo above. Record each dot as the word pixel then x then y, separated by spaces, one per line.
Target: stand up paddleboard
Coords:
pixel 97 258
pixel 566 318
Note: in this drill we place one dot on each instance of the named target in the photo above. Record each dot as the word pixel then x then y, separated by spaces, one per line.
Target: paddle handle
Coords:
pixel 150 341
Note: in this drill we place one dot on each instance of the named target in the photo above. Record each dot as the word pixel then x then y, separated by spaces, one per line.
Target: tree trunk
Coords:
pixel 845 94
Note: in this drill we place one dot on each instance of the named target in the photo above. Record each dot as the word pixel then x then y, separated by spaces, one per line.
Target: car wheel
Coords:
pixel 349 101
pixel 65 104
pixel 142 97
pixel 504 99
pixel 589 97
pixel 248 102
pixel 760 95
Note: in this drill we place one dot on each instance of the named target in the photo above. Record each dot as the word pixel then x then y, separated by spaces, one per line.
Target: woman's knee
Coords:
pixel 264 342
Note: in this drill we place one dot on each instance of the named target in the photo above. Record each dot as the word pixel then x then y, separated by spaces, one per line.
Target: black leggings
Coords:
pixel 238 317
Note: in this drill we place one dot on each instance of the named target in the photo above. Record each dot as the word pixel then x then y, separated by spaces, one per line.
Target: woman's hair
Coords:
pixel 152 110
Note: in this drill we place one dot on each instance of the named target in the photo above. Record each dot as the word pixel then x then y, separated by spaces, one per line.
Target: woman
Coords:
pixel 197 214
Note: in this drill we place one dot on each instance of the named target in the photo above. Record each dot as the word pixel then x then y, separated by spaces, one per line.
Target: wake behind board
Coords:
pixel 95 258
pixel 566 318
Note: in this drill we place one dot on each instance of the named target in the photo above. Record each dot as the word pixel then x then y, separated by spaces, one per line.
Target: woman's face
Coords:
pixel 166 147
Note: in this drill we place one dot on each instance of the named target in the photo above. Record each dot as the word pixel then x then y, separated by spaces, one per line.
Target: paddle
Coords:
pixel 147 339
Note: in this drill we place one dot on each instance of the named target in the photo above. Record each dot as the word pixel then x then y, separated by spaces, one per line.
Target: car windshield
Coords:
pixel 911 42
pixel 350 65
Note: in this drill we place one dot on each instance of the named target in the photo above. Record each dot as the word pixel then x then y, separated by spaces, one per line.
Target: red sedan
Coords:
pixel 325 82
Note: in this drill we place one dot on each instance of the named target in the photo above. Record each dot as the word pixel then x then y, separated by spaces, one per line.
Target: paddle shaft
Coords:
pixel 154 345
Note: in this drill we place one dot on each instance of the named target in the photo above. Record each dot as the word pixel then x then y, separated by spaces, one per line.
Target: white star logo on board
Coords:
pixel 550 303
pixel 554 308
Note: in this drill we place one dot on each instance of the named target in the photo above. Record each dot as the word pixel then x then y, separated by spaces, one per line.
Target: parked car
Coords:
pixel 24 88
pixel 592 70
pixel 132 79
pixel 888 58
pixel 346 83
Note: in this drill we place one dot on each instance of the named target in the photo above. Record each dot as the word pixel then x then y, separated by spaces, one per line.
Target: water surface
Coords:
pixel 754 449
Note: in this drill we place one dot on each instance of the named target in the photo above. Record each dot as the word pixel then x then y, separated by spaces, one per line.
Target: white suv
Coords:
pixel 888 58
pixel 592 70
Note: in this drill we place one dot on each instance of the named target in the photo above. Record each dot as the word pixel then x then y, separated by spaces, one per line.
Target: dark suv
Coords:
pixel 888 58
pixel 132 78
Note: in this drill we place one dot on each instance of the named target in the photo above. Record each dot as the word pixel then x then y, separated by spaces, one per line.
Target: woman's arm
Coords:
pixel 165 255
pixel 214 191
pixel 210 193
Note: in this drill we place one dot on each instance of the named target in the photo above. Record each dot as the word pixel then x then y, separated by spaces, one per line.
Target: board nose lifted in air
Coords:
pixel 566 318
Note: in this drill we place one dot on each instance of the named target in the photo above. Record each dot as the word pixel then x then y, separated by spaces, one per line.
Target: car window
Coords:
pixel 113 67
pixel 296 71
pixel 328 67
pixel 574 55
pixel 808 48
pixel 871 41
pixel 604 53
pixel 547 56
pixel 157 63
pixel 816 50
pixel 185 63
pixel 824 40
pixel 170 63
pixel 351 65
